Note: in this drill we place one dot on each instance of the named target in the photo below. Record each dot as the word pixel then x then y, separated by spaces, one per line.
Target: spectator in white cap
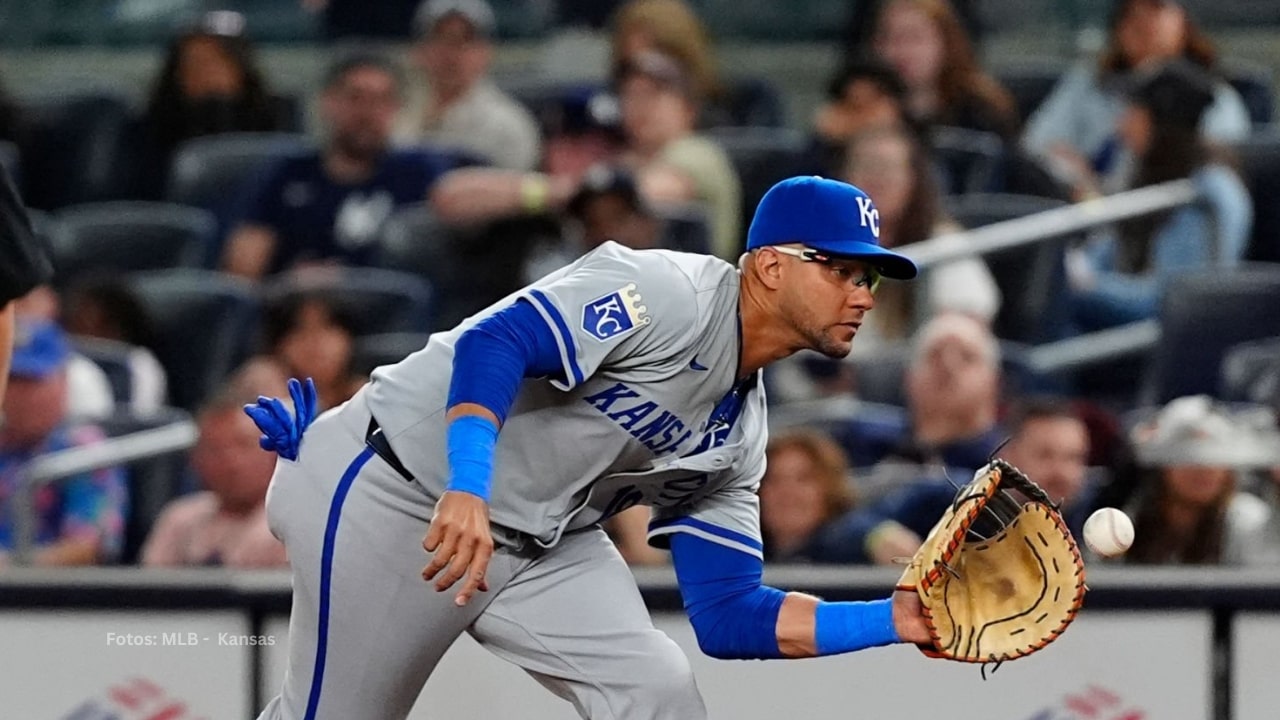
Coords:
pixel 463 109
pixel 1191 508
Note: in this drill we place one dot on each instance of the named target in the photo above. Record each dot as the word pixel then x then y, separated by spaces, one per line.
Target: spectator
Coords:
pixel 805 486
pixel 926 43
pixel 671 162
pixel 1048 441
pixel 670 27
pixel 105 307
pixel 1190 509
pixel 1118 278
pixel 89 393
pixel 226 523
pixel 864 94
pixel 306 335
pixel 892 167
pixel 329 205
pixel 1075 128
pixel 607 206
pixel 78 520
pixel 209 83
pixel 464 109
pixel 659 106
pixel 953 394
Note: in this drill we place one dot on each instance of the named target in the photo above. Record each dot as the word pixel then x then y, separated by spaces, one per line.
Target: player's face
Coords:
pixel 229 462
pixel 1055 452
pixel 360 111
pixel 824 302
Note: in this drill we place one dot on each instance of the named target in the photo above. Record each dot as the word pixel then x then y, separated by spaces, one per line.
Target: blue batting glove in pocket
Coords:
pixel 281 430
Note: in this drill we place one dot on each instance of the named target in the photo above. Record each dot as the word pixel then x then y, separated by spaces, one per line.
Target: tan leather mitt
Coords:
pixel 999 576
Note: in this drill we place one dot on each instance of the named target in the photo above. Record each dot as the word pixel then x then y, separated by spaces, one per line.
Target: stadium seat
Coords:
pixel 748 102
pixel 1251 373
pixel 204 322
pixel 1259 157
pixel 126 236
pixel 373 351
pixel 468 268
pixel 208 172
pixel 1030 83
pixel 685 228
pixel 152 481
pixel 761 156
pixel 1031 277
pixel 113 358
pixel 1256 86
pixel 73 153
pixel 969 161
pixel 11 159
pixel 378 300
pixel 1202 315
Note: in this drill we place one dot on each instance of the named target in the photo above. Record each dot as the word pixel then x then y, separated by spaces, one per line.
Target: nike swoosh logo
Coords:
pixel 695 365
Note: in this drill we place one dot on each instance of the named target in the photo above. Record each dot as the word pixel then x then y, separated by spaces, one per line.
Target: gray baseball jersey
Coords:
pixel 649 344
pixel 645 411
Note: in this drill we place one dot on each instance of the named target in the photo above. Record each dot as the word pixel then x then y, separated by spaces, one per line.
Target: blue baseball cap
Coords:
pixel 40 348
pixel 828 215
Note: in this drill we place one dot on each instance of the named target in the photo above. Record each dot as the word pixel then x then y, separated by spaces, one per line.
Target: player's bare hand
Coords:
pixel 462 545
pixel 908 618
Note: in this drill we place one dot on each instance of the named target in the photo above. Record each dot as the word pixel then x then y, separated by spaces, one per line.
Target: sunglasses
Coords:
pixel 869 278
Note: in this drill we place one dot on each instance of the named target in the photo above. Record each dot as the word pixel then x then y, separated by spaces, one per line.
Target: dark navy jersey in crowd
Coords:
pixel 316 218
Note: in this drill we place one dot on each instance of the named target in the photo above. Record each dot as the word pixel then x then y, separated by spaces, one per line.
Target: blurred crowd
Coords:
pixel 220 250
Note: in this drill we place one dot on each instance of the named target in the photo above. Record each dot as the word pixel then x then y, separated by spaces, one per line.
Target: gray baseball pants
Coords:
pixel 366 631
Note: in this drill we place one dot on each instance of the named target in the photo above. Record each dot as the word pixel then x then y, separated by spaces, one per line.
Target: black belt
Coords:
pixel 377 440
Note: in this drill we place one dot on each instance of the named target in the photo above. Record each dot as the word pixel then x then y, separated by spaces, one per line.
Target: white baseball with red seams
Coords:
pixel 1108 532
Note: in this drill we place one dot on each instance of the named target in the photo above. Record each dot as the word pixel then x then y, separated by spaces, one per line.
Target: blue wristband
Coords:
pixel 471 440
pixel 841 627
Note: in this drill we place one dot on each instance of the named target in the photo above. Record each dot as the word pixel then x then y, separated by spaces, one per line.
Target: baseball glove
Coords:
pixel 999 576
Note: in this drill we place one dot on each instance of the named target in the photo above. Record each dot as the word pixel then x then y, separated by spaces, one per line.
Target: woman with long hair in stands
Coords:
pixel 1190 509
pixel 927 44
pixel 1119 277
pixel 891 165
pixel 805 486
pixel 209 83
pixel 1074 129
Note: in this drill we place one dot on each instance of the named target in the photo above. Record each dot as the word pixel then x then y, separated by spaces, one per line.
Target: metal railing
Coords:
pixel 53 467
pixel 1053 226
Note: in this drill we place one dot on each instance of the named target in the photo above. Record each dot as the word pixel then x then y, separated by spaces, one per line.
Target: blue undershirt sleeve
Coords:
pixel 735 616
pixel 490 361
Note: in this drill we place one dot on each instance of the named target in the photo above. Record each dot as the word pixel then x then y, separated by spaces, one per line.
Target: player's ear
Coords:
pixel 766 265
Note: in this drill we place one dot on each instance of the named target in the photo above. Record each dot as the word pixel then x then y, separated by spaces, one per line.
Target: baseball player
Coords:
pixel 626 378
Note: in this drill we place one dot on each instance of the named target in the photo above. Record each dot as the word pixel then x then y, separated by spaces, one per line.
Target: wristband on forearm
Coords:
pixel 471 442
pixel 841 627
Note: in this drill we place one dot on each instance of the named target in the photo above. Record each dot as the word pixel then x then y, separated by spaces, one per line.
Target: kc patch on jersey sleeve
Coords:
pixel 614 315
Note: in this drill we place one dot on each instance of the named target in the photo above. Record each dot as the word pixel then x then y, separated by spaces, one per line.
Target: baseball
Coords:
pixel 1108 532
